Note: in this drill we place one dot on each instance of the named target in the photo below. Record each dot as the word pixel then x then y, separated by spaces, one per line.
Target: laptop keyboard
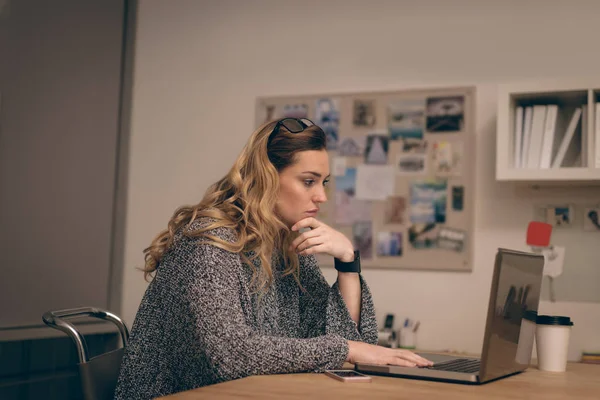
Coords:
pixel 467 365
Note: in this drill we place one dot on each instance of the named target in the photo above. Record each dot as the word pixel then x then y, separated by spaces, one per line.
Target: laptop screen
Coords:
pixel 513 306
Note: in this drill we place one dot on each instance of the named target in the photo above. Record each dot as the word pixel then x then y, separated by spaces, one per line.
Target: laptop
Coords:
pixel 509 334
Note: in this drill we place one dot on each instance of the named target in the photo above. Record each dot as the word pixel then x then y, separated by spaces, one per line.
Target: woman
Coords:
pixel 236 288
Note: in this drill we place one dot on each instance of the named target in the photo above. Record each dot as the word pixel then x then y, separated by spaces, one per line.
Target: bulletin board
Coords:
pixel 402 169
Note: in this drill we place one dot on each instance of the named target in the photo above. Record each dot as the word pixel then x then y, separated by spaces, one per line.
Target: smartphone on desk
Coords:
pixel 347 375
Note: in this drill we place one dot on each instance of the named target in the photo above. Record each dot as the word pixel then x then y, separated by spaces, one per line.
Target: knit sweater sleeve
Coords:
pixel 324 311
pixel 233 349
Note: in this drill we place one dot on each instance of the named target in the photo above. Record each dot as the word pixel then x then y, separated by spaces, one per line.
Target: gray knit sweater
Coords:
pixel 199 323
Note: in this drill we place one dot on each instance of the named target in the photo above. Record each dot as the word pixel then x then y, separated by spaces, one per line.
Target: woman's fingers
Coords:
pixel 308 243
pixel 414 358
pixel 308 222
pixel 424 360
pixel 303 237
pixel 313 250
pixel 404 363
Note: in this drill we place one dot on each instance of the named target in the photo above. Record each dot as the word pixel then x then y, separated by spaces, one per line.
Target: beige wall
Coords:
pixel 200 65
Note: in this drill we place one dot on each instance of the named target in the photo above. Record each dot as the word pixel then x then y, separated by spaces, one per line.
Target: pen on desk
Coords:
pixel 416 326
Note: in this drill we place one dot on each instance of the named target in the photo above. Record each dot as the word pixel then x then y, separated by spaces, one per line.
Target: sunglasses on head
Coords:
pixel 293 125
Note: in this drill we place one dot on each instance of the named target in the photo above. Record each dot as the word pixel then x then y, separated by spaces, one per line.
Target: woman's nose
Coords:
pixel 320 196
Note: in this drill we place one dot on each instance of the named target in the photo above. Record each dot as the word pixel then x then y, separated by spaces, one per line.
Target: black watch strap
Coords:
pixel 352 266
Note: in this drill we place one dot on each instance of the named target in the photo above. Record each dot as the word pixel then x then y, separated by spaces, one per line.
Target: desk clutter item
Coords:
pixel 405 337
pixel 407 334
pixel 590 358
pixel 387 336
pixel 408 338
pixel 347 375
pixel 403 169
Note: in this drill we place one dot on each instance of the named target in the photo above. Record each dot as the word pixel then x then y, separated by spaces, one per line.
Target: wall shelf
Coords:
pixel 518 162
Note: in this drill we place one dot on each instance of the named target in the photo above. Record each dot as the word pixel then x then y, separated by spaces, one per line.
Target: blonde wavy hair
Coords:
pixel 244 201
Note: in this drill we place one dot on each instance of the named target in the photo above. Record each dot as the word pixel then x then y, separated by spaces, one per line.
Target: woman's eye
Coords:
pixel 309 182
pixel 326 182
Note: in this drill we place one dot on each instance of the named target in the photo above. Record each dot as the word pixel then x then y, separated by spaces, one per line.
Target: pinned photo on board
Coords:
pixel 295 111
pixel 394 210
pixel 451 239
pixel 364 113
pixel 349 209
pixel 406 119
pixel 445 114
pixel 339 166
pixel 428 201
pixel 375 182
pixel 414 146
pixel 327 116
pixel 362 235
pixel 389 244
pixel 345 189
pixel 447 158
pixel 458 198
pixel 591 219
pixel 411 164
pixel 560 216
pixel 346 183
pixel 352 146
pixel 376 150
pixel 423 236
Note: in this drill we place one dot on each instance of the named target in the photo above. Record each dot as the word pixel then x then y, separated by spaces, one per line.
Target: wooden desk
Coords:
pixel 580 381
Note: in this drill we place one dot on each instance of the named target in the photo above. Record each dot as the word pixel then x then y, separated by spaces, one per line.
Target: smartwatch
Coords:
pixel 352 266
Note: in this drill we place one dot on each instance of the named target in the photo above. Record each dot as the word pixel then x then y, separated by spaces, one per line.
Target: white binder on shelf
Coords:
pixel 548 136
pixel 566 141
pixel 526 136
pixel 518 137
pixel 596 138
pixel 585 149
pixel 537 135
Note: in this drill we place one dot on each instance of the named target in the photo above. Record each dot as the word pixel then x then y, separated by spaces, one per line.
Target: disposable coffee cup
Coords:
pixel 526 337
pixel 552 342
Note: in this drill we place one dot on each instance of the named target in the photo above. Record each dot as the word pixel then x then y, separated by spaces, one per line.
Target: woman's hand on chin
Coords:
pixel 321 238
